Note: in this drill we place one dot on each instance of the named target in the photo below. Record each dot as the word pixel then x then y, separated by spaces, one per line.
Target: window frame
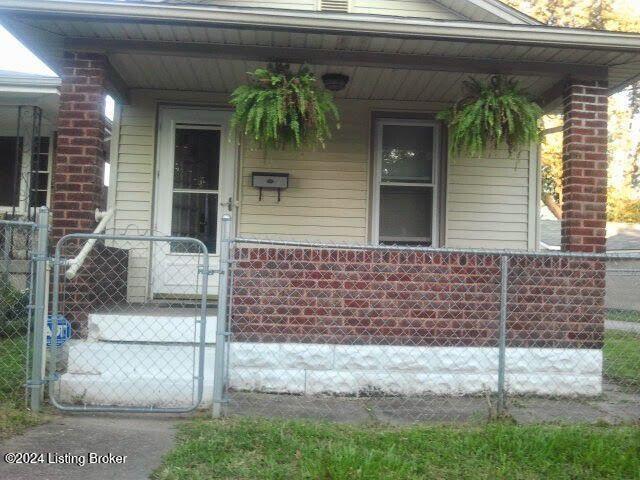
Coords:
pixel 377 175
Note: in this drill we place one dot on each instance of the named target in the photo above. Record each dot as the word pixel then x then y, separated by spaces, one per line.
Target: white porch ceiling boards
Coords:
pixel 223 75
pixel 622 64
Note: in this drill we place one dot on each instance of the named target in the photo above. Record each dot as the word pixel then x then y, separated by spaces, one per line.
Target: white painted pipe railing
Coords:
pixel 75 264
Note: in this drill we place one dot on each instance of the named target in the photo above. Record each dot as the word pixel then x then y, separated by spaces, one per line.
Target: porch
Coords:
pixel 335 194
pixel 172 81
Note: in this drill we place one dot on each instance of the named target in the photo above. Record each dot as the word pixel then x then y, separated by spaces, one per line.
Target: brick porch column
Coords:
pixel 79 159
pixel 77 181
pixel 584 182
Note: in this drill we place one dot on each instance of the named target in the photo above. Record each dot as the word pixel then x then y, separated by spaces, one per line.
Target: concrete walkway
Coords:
pixel 143 439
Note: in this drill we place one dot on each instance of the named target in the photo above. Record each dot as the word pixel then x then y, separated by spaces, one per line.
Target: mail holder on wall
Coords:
pixel 272 181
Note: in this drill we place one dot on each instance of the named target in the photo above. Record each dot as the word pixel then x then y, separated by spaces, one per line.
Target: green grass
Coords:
pixel 622 358
pixel 12 365
pixel 14 420
pixel 273 449
pixel 14 417
pixel 623 316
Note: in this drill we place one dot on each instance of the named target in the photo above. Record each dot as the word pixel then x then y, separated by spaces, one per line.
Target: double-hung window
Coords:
pixel 405 182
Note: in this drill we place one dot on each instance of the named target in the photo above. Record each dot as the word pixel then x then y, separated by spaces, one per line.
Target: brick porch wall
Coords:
pixel 414 298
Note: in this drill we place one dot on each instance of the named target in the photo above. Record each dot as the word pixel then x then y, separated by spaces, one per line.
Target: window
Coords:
pixel 405 189
pixel 195 185
pixel 9 191
pixel 40 178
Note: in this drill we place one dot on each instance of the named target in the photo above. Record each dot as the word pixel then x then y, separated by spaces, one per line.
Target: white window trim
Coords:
pixel 377 175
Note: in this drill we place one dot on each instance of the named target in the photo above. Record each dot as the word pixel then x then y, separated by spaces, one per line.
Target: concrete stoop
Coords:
pixel 148 360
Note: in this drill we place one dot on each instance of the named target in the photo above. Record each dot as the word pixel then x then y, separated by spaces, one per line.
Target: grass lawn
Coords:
pixel 14 417
pixel 622 358
pixel 278 449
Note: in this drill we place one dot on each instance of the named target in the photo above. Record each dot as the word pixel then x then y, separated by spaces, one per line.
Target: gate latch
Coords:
pixel 208 271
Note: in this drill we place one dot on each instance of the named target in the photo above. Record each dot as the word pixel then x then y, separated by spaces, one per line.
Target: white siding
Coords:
pixel 327 196
pixel 404 8
pixel 489 201
pixel 286 4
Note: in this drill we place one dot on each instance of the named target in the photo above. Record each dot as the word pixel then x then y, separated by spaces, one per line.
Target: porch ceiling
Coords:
pixel 223 75
pixel 214 58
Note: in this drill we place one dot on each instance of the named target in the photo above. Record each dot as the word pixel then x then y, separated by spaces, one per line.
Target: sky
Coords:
pixel 16 57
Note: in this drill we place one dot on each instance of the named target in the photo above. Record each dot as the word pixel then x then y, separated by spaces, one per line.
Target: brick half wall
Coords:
pixel 333 296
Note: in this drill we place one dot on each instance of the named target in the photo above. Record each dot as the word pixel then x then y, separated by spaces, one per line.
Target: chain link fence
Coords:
pixel 134 310
pixel 17 241
pixel 403 334
pixel 339 332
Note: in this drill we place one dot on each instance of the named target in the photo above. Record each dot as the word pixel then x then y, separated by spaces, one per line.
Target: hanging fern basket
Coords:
pixel 281 109
pixel 492 114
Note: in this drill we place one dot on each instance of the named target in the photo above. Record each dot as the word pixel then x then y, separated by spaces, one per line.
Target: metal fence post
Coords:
pixel 40 308
pixel 221 327
pixel 502 340
pixel 6 250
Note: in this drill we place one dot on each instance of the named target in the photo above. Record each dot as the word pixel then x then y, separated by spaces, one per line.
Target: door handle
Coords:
pixel 228 204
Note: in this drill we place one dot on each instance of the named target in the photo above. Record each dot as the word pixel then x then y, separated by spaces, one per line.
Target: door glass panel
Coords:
pixel 407 153
pixel 197 159
pixel 194 215
pixel 406 215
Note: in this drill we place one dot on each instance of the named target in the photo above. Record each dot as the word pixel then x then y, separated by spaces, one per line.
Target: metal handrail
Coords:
pixel 76 263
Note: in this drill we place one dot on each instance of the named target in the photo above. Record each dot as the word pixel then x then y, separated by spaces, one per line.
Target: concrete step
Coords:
pixel 153 327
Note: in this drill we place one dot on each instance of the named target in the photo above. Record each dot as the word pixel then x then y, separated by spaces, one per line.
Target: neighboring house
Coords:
pixel 28 117
pixel 171 66
pixel 622 276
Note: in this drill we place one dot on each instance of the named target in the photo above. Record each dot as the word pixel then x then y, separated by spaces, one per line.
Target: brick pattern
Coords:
pixel 77 182
pixel 101 285
pixel 413 298
pixel 584 183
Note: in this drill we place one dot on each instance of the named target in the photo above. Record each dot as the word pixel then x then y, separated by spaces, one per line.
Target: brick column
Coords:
pixel 77 182
pixel 584 182
pixel 78 166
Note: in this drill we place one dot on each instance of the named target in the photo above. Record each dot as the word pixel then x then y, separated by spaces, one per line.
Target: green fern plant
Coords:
pixel 280 108
pixel 492 114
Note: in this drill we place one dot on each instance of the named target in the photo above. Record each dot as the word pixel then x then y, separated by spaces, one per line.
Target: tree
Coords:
pixel 624 110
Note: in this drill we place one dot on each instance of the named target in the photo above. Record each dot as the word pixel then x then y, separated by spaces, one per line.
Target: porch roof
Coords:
pixel 202 47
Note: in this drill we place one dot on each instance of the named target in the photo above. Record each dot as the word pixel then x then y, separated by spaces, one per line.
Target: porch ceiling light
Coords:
pixel 335 81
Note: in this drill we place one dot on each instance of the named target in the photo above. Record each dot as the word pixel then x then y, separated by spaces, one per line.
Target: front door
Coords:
pixel 194 188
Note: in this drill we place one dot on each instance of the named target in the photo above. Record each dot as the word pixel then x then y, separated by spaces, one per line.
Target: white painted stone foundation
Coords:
pixel 111 367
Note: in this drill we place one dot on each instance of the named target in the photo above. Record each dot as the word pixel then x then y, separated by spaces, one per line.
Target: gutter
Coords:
pixel 322 22
pixel 18 82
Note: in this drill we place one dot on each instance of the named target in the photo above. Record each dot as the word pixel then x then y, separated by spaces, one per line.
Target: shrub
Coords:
pixel 14 306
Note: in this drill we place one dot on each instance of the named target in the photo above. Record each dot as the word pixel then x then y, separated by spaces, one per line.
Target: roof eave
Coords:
pixel 321 22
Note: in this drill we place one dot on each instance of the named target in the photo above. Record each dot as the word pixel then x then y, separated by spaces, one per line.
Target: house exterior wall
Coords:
pixel 488 200
pixel 404 8
pixel 409 8
pixel 492 201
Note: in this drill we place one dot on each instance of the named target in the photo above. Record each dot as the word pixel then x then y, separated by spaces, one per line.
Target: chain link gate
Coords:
pixel 129 349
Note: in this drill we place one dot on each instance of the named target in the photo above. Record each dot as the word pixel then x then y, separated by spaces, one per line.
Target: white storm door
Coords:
pixel 195 187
